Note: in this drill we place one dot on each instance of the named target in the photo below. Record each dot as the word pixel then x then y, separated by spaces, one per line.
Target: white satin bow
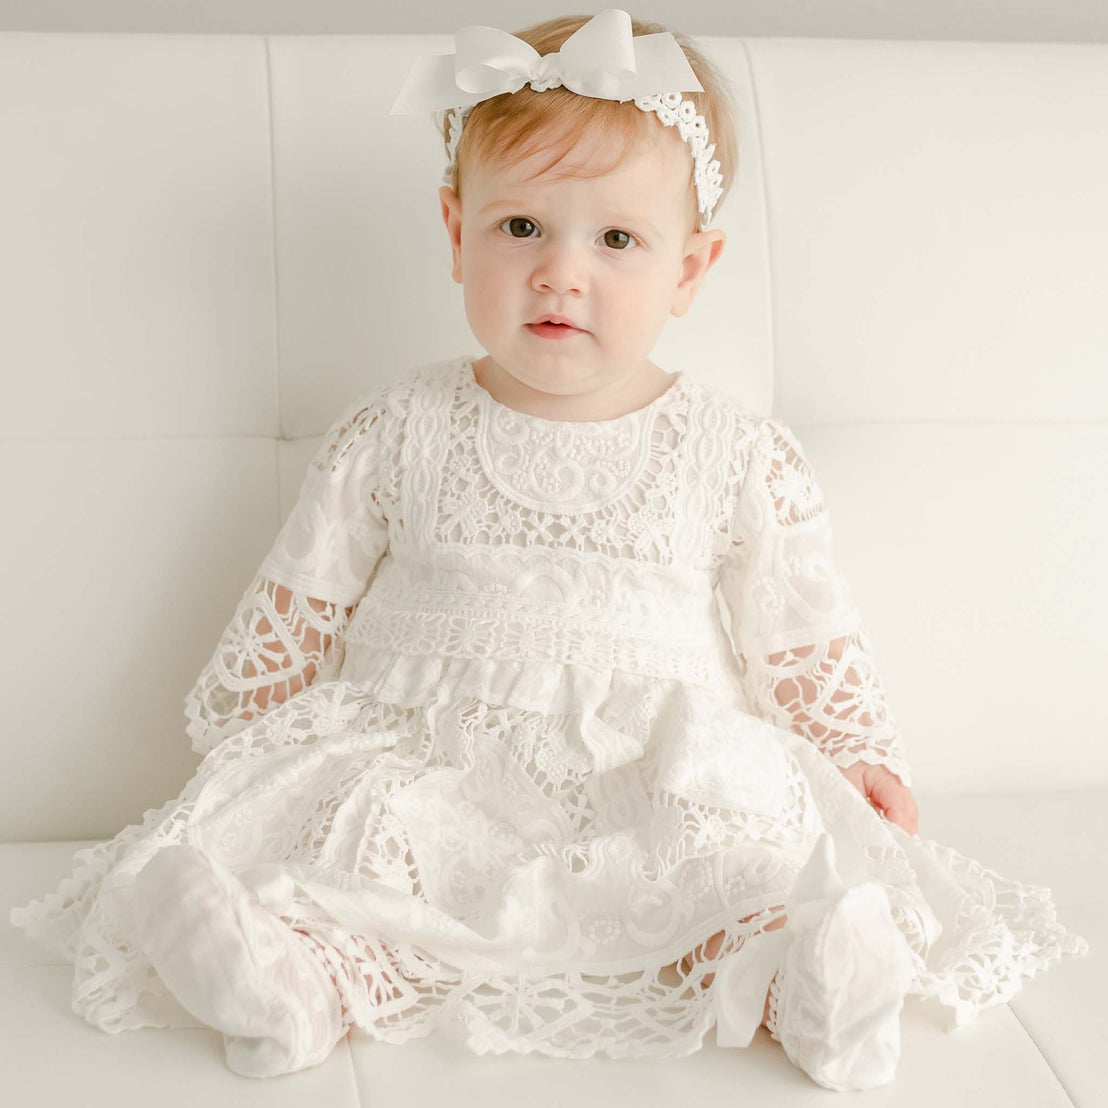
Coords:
pixel 602 58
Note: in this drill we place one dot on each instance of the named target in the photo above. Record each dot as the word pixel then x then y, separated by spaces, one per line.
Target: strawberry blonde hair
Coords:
pixel 507 128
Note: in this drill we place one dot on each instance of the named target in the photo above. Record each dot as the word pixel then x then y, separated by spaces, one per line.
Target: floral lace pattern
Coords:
pixel 476 731
pixel 556 470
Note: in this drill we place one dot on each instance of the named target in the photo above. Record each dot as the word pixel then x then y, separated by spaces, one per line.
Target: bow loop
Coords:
pixel 488 61
pixel 598 59
pixel 836 864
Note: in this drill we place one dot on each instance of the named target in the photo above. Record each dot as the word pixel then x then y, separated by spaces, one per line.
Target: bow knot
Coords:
pixel 271 884
pixel 546 73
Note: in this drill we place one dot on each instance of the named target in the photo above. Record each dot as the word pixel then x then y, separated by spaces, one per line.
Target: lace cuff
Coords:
pixel 830 693
pixel 277 643
pixel 805 659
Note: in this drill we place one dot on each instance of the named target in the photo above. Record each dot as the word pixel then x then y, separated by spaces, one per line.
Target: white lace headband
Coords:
pixel 602 58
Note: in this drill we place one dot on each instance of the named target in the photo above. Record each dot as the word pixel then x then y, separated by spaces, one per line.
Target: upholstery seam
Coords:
pixel 276 285
pixel 1042 1054
pixel 768 265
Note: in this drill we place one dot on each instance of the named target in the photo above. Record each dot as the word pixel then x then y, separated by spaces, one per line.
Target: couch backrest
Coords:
pixel 211 243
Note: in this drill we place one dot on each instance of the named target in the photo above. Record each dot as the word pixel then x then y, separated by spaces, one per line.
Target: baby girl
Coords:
pixel 479 753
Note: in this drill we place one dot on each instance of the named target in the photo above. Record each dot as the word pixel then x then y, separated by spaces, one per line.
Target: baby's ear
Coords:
pixel 449 204
pixel 701 252
pixel 715 240
pixel 451 207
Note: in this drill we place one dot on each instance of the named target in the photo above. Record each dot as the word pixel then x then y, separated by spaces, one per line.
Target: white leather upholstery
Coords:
pixel 208 244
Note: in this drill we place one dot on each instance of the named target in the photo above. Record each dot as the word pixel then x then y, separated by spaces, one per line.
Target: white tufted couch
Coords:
pixel 208 244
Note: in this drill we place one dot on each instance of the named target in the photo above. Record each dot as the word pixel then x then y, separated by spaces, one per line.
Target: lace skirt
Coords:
pixel 524 879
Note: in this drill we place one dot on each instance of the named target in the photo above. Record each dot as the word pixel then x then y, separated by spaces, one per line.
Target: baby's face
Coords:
pixel 613 254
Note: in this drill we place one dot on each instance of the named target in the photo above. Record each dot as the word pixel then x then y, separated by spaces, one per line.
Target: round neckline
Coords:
pixel 491 402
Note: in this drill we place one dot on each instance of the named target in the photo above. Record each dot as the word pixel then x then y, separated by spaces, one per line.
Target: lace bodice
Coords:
pixel 435 523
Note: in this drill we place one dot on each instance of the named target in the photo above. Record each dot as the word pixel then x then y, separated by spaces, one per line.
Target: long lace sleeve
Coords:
pixel 286 631
pixel 805 658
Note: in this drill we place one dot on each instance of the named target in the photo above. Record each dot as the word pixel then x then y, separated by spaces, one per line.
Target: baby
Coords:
pixel 590 223
pixel 477 750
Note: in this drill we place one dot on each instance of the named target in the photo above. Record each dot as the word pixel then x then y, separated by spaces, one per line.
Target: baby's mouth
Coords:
pixel 554 330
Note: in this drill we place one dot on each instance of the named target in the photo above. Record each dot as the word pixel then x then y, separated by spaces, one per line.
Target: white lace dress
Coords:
pixel 479 715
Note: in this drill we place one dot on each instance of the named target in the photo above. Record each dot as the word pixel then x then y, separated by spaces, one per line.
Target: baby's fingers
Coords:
pixel 902 810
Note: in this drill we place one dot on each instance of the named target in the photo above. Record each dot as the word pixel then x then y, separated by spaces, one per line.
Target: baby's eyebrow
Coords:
pixel 500 201
pixel 636 220
pixel 617 217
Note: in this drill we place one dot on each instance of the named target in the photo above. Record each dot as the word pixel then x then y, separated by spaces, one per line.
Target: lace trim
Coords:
pixel 1011 932
pixel 606 616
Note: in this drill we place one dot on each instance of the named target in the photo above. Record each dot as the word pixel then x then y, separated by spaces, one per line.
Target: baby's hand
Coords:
pixel 886 792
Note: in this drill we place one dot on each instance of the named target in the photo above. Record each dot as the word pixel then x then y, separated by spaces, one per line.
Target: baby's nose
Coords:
pixel 561 270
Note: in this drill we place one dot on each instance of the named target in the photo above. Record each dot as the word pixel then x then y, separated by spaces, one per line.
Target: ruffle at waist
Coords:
pixel 612 709
pixel 614 713
pixel 559 688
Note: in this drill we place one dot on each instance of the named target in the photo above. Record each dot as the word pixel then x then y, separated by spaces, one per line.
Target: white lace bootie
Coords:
pixel 235 965
pixel 843 969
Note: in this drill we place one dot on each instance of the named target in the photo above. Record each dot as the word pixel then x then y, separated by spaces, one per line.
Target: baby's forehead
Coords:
pixel 641 171
pixel 655 152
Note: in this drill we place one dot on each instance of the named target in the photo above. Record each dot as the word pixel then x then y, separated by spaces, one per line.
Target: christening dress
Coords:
pixel 478 728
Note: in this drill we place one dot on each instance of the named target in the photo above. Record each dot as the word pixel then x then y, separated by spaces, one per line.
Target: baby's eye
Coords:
pixel 517 222
pixel 628 237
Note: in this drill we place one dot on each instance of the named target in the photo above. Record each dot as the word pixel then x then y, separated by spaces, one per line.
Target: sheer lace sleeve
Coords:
pixel 286 631
pixel 805 658
pixel 277 643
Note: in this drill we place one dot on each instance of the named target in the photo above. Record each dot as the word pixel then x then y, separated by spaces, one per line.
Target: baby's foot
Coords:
pixel 711 949
pixel 842 985
pixel 235 965
pixel 353 957
pixel 320 952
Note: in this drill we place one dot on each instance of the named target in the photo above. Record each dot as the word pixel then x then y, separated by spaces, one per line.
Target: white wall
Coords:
pixel 995 20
